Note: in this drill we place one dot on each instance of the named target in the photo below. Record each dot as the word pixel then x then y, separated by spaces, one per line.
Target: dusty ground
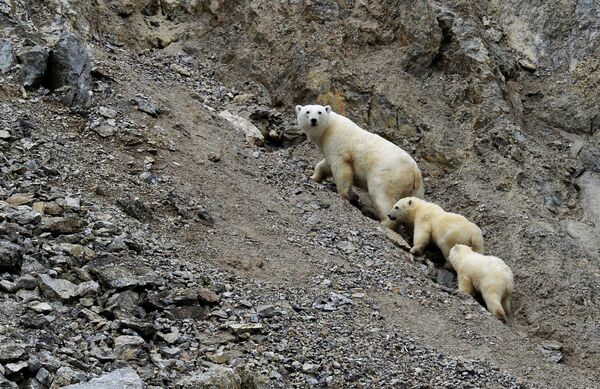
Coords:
pixel 246 223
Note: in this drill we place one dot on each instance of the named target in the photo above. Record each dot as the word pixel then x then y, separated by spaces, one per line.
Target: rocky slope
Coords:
pixel 157 226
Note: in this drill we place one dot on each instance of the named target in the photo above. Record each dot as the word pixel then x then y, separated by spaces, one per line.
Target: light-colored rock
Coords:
pixel 125 378
pixel 250 131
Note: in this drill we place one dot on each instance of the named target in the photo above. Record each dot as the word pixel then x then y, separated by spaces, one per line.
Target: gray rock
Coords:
pixel 446 278
pixel 26 281
pixel 217 377
pixel 242 328
pixel 116 273
pixel 69 65
pixel 266 311
pixel 8 287
pixel 125 378
pixel 15 367
pixel 10 256
pixel 61 225
pixel 146 106
pixel 7 58
pixel 128 347
pixel 34 62
pixel 23 215
pixel 552 351
pixel 57 288
pixel 107 112
pixel 10 352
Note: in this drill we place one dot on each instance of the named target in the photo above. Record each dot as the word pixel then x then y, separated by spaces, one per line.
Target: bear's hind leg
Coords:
pixel 492 302
pixel 506 304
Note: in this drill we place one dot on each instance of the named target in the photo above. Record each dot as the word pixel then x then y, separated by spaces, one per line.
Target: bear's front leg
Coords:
pixel 343 176
pixel 420 238
pixel 322 171
pixel 465 285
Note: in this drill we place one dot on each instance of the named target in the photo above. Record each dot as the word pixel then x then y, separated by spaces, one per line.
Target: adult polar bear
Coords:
pixel 357 157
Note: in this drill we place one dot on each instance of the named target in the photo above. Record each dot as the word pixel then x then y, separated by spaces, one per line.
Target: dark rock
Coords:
pixel 10 256
pixel 69 65
pixel 125 378
pixel 7 57
pixel 134 207
pixel 34 62
pixel 117 273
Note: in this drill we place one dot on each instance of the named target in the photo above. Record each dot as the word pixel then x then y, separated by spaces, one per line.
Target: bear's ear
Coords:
pixel 327 108
pixel 409 202
pixel 298 108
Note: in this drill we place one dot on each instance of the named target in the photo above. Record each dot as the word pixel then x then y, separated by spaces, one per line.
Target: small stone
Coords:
pixel 146 106
pixel 107 112
pixel 181 70
pixel 105 131
pixel 26 281
pixel 8 287
pixel 10 256
pixel 310 368
pixel 266 311
pixel 125 378
pixel 41 307
pixel 527 65
pixel 217 377
pixel 14 368
pixel 56 288
pixel 242 328
pixel 20 199
pixel 346 246
pixel 10 352
pixel 72 204
pixel 218 358
pixel 87 288
pixel 446 278
pixel 171 337
pixel 552 351
pixel 208 297
pixel 214 157
pixel 61 225
pixel 4 135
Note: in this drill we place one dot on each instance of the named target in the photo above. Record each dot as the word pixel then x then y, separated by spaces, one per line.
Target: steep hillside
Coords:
pixel 142 233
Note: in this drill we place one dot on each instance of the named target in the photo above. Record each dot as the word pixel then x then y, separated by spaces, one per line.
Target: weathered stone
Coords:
pixel 15 367
pixel 125 378
pixel 69 65
pixel 7 58
pixel 250 131
pixel 107 112
pixel 57 288
pixel 242 328
pixel 41 307
pixel 146 106
pixel 10 352
pixel 128 347
pixel 34 62
pixel 117 273
pixel 77 250
pixel 88 288
pixel 61 225
pixel 20 199
pixel 217 377
pixel 446 278
pixel 208 297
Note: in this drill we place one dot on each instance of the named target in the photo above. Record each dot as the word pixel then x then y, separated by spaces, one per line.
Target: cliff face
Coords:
pixel 497 101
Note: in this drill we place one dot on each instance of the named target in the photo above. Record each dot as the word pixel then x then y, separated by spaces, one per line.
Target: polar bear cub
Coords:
pixel 354 156
pixel 485 274
pixel 431 223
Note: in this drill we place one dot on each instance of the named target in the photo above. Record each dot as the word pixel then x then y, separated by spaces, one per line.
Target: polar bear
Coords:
pixel 431 222
pixel 485 274
pixel 354 156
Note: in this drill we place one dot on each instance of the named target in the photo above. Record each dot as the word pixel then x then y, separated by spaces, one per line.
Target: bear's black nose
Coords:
pixel 313 122
pixel 392 217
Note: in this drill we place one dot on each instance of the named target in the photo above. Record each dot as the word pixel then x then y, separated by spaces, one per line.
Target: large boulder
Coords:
pixel 69 66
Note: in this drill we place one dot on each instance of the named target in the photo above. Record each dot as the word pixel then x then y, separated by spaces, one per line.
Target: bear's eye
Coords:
pixel 307 112
pixel 319 112
pixel 396 207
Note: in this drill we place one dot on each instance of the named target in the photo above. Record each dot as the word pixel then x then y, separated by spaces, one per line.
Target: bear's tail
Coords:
pixel 476 241
pixel 418 189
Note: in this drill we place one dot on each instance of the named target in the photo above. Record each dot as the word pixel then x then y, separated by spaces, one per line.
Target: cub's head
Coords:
pixel 312 118
pixel 456 252
pixel 402 208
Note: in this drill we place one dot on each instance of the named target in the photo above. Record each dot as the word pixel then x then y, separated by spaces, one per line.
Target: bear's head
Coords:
pixel 312 119
pixel 402 209
pixel 456 252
